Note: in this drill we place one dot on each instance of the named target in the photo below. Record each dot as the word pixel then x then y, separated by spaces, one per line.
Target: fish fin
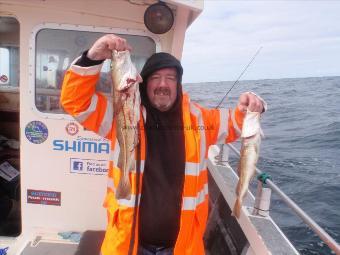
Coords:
pixel 132 165
pixel 136 138
pixel 237 208
pixel 124 188
pixel 139 79
pixel 239 169
pixel 238 188
pixel 120 163
pixel 261 133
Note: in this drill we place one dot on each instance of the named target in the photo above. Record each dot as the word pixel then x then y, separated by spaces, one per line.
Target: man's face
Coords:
pixel 162 88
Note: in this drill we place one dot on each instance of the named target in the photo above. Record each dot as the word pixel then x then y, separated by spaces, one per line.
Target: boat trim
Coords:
pixel 262 233
pixel 324 236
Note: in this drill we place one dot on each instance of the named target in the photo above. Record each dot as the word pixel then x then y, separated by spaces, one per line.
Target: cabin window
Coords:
pixel 9 66
pixel 4 66
pixel 9 52
pixel 55 51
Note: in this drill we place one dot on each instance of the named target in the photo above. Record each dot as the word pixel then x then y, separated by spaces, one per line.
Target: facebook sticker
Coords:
pixel 77 165
pixel 89 166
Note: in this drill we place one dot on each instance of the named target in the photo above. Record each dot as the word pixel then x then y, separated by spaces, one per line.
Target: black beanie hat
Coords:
pixel 161 60
pixel 156 62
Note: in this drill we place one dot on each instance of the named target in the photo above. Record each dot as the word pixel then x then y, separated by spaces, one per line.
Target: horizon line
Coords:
pixel 308 77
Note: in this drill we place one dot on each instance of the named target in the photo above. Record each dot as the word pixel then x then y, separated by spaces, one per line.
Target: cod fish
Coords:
pixel 126 105
pixel 250 149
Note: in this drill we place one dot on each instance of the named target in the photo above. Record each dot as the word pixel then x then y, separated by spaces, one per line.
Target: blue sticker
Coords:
pixel 3 251
pixel 36 132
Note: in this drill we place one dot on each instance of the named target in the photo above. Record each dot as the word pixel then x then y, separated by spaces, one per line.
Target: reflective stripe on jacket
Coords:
pixel 202 128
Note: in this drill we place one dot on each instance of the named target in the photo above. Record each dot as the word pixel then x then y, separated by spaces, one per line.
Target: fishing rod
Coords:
pixel 245 69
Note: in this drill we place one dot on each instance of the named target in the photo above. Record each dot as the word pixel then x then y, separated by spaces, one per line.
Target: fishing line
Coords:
pixel 245 69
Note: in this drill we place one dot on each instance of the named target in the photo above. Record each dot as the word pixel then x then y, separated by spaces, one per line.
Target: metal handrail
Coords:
pixel 332 244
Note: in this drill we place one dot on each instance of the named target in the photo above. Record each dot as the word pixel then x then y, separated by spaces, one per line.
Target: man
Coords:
pixel 171 178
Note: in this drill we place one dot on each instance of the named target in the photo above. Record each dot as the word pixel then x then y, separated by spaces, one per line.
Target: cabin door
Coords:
pixel 64 166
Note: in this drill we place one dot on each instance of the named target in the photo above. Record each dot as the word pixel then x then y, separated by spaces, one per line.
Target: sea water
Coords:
pixel 301 148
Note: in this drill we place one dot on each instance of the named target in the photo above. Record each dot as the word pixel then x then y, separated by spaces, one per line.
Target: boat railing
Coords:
pixel 332 244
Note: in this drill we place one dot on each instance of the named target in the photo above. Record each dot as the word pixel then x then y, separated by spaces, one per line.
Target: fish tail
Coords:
pixel 237 208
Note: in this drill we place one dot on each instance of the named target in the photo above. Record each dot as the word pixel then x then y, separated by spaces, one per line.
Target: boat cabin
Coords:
pixel 52 171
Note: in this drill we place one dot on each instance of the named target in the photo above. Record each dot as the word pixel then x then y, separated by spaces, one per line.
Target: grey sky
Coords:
pixel 299 39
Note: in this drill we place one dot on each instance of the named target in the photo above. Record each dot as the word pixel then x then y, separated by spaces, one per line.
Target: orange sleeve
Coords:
pixel 235 123
pixel 77 91
pixel 80 99
pixel 211 123
pixel 222 125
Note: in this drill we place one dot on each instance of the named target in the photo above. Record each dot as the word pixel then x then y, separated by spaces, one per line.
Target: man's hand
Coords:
pixel 251 102
pixel 103 47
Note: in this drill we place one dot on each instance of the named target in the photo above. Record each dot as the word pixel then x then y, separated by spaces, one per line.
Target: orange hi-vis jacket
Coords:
pixel 202 128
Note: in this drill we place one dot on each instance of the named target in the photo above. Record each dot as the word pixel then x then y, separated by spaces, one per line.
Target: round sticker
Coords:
pixel 3 78
pixel 36 132
pixel 72 128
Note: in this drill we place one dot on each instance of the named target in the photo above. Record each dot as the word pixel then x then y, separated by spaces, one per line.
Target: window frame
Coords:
pixel 60 26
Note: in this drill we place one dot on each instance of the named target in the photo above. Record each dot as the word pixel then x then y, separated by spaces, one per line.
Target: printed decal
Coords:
pixel 89 166
pixel 82 144
pixel 43 197
pixel 3 78
pixel 36 132
pixel 3 251
pixel 72 128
